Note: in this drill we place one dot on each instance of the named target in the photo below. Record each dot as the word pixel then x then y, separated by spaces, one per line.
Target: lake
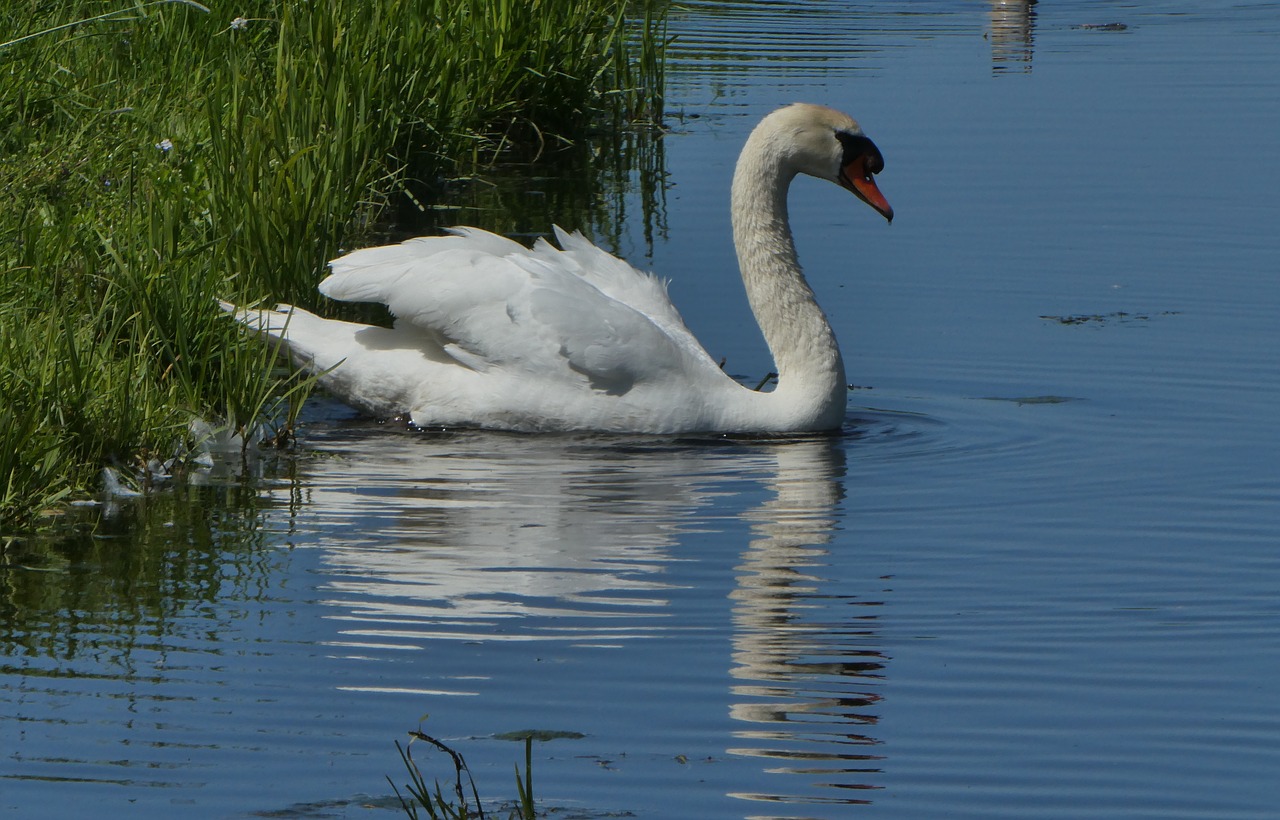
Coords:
pixel 1036 576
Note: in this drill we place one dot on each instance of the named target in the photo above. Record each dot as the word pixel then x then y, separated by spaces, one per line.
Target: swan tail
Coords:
pixel 271 323
pixel 294 332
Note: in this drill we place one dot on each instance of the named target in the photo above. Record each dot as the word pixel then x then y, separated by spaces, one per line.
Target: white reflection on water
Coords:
pixel 1012 35
pixel 493 539
pixel 465 531
pixel 803 680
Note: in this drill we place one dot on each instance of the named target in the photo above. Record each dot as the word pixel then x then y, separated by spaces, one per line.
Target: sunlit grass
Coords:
pixel 159 156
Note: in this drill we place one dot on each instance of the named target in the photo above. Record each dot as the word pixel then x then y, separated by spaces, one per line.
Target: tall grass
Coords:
pixel 155 157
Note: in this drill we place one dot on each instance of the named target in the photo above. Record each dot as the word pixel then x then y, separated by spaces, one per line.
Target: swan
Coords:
pixel 489 333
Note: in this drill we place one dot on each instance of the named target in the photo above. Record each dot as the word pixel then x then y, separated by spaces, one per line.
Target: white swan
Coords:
pixel 491 334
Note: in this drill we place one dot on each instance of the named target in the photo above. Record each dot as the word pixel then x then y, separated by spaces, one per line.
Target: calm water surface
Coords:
pixel 1036 576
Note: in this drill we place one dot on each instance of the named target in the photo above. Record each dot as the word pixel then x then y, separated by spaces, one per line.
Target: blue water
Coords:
pixel 1035 577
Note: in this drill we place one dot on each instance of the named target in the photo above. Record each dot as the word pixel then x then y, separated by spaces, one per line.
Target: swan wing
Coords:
pixel 616 278
pixel 489 302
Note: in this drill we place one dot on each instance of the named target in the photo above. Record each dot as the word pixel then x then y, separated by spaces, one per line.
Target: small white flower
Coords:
pixel 239 24
pixel 165 145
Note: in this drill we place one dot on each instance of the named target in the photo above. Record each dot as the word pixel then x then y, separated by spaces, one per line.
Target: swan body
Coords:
pixel 489 333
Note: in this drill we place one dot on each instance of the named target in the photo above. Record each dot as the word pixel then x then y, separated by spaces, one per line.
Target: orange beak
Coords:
pixel 855 177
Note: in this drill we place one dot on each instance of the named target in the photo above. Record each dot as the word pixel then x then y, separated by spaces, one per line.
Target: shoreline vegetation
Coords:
pixel 164 155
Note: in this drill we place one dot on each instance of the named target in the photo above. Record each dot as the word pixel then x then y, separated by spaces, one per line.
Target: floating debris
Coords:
pixel 540 735
pixel 113 487
pixel 1101 27
pixel 1021 400
pixel 1103 318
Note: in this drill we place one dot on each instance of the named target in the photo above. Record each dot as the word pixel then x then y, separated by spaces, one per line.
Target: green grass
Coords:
pixel 157 156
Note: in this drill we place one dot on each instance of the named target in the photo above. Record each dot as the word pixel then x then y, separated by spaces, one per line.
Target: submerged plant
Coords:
pixel 458 806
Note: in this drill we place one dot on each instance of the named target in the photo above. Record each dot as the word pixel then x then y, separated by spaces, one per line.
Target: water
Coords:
pixel 1035 577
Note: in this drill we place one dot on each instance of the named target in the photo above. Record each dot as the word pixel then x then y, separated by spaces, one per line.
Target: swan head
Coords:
pixel 830 145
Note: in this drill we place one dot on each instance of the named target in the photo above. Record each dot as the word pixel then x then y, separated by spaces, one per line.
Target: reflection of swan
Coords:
pixel 805 663
pixel 562 538
pixel 481 538
pixel 1012 28
pixel 491 334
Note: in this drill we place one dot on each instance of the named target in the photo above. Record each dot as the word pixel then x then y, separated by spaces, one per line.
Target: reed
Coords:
pixel 158 156
pixel 463 801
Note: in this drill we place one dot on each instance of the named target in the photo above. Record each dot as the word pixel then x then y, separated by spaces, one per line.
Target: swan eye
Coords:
pixel 862 161
pixel 858 147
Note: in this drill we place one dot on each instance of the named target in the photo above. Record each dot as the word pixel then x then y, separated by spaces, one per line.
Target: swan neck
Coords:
pixel 807 359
